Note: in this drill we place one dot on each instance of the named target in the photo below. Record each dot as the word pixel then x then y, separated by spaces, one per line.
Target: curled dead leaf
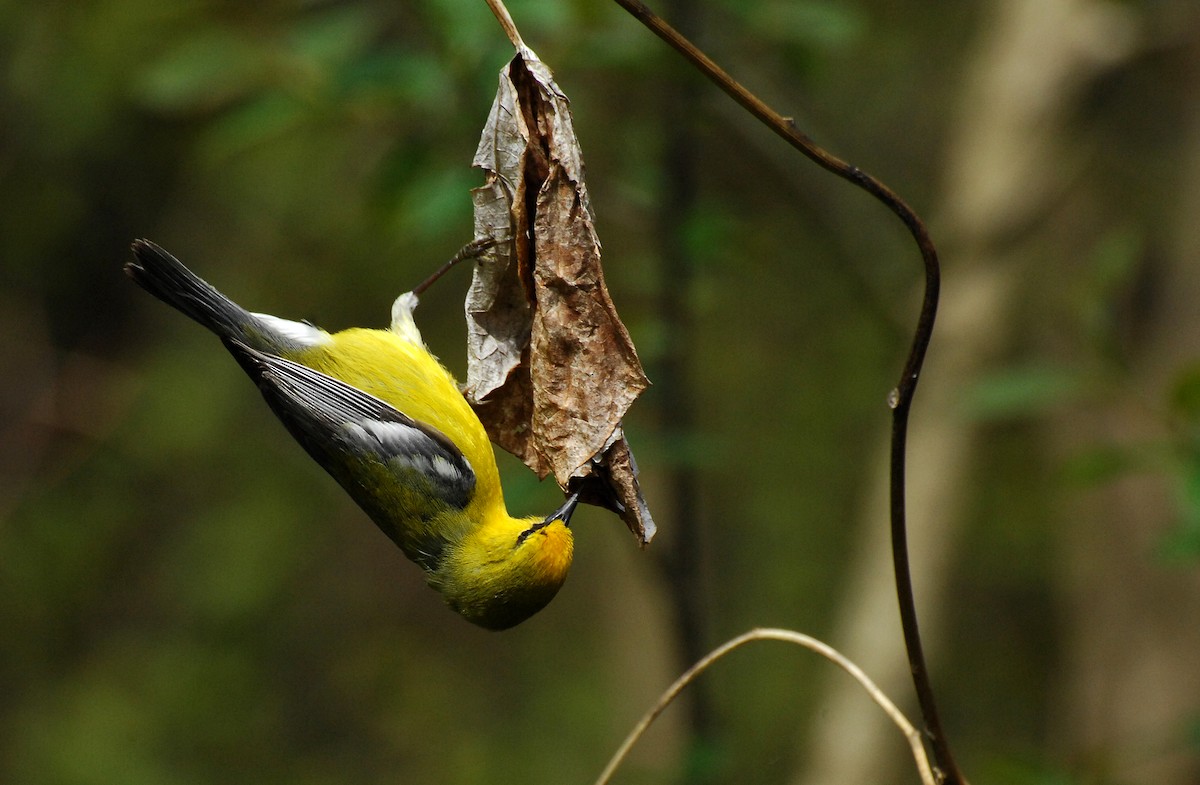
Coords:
pixel 551 369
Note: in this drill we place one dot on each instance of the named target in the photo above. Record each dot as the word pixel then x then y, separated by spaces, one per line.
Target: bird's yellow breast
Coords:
pixel 494 569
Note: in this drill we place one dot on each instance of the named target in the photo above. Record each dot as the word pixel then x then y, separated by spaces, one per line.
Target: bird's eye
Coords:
pixel 525 534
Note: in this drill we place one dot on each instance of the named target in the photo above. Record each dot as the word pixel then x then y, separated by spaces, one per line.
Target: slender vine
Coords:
pixel 788 636
pixel 901 398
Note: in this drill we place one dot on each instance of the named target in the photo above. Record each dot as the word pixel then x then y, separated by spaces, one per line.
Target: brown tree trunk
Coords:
pixel 1131 675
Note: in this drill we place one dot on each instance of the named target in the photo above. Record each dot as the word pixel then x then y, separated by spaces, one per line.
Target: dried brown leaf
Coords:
pixel 551 368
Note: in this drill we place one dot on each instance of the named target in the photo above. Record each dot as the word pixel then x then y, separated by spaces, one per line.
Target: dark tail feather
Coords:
pixel 165 277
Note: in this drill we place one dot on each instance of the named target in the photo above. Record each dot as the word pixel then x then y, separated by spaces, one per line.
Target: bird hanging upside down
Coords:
pixel 385 419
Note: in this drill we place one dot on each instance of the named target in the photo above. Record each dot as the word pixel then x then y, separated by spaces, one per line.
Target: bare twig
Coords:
pixel 506 22
pixel 901 397
pixel 788 636
pixel 471 250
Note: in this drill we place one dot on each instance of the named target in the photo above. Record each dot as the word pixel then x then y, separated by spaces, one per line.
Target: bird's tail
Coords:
pixel 165 277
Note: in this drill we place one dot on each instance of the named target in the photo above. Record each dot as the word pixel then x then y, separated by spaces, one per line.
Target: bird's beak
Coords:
pixel 564 512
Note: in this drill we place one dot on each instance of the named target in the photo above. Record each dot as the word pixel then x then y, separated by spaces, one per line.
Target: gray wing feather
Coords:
pixel 336 422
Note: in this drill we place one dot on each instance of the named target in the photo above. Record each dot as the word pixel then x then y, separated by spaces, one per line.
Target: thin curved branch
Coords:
pixel 788 636
pixel 901 398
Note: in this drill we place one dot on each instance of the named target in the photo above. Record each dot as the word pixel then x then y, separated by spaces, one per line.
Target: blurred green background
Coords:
pixel 185 598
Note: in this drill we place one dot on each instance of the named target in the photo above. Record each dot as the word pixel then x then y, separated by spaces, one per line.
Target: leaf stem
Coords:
pixel 902 397
pixel 506 22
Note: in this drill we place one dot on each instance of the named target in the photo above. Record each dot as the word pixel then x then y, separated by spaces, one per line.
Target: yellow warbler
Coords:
pixel 381 415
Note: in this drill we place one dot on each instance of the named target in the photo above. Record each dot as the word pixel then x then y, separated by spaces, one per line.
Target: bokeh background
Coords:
pixel 186 599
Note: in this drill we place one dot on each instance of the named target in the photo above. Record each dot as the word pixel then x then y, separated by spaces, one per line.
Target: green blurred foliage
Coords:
pixel 185 599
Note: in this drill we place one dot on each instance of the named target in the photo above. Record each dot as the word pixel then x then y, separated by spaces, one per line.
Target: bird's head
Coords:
pixel 509 568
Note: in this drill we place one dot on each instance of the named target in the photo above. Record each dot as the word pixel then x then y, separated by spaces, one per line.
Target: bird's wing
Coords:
pixel 337 423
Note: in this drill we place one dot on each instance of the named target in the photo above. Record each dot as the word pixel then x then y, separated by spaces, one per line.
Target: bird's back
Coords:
pixel 406 376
